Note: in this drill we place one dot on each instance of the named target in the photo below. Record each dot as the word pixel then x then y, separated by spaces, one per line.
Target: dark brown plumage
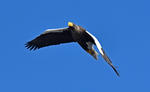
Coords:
pixel 73 33
pixel 51 37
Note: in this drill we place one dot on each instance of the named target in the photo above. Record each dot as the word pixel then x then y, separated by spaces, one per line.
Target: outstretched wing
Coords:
pixel 50 37
pixel 97 43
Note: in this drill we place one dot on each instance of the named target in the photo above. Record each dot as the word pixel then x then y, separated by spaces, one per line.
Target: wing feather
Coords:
pixel 50 37
pixel 97 43
pixel 106 58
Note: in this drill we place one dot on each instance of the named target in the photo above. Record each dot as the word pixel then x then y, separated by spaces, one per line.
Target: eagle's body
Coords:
pixel 73 33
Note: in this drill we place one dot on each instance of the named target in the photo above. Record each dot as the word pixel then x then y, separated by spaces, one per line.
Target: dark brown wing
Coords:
pixel 50 37
pixel 106 58
pixel 109 62
pixel 85 38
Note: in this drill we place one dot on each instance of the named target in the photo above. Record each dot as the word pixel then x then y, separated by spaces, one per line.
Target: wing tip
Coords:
pixel 106 58
pixel 31 46
pixel 116 71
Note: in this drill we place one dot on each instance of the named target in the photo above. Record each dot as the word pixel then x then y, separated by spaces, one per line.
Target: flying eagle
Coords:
pixel 72 33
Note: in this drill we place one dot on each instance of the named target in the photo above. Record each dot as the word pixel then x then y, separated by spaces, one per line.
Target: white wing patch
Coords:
pixel 97 43
pixel 53 30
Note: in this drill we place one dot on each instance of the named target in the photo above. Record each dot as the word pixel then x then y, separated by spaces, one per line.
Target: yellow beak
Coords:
pixel 70 24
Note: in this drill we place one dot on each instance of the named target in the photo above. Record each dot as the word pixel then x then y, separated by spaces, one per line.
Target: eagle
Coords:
pixel 72 33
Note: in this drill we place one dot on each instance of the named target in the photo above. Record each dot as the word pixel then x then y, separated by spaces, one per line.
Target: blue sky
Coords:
pixel 122 27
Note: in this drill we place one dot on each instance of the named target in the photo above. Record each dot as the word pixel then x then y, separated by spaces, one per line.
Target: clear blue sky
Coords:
pixel 122 27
